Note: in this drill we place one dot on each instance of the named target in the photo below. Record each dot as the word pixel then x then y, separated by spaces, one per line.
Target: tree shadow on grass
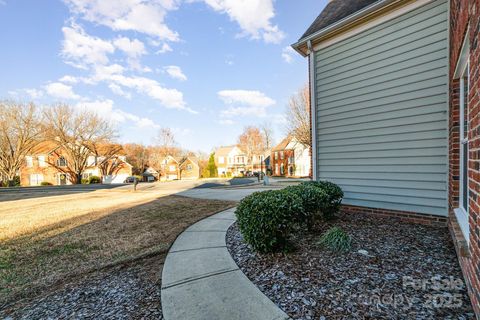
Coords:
pixel 57 253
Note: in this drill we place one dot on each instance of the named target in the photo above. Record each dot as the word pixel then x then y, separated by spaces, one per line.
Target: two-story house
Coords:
pixel 48 163
pixel 290 158
pixel 230 161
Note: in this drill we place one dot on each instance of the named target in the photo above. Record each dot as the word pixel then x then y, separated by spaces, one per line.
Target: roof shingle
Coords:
pixel 335 11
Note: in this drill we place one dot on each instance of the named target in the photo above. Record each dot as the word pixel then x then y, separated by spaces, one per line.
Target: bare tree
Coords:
pixel 137 156
pixel 165 140
pixel 252 142
pixel 19 133
pixel 267 131
pixel 298 116
pixel 77 133
pixel 165 145
pixel 108 158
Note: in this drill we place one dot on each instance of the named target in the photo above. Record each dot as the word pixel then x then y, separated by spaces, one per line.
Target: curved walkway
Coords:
pixel 200 280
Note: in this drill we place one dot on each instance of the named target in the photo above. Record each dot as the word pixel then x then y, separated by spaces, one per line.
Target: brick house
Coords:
pixel 46 163
pixel 464 140
pixel 290 158
pixel 394 88
pixel 189 168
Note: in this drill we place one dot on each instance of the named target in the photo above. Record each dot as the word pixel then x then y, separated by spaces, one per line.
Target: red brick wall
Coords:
pixel 274 161
pixel 466 13
pixel 405 216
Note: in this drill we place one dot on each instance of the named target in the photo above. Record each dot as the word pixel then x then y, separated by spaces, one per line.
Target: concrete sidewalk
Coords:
pixel 200 280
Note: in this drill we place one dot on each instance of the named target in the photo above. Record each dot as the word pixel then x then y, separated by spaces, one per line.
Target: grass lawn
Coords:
pixel 45 242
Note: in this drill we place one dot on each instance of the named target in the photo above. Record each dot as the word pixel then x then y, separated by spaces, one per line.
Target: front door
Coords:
pixel 62 179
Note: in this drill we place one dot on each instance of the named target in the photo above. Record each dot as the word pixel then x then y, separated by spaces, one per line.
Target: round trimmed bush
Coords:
pixel 46 183
pixel 313 199
pixel 94 179
pixel 334 196
pixel 267 219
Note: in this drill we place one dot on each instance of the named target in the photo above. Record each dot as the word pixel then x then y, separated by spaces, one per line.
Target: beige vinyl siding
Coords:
pixel 382 113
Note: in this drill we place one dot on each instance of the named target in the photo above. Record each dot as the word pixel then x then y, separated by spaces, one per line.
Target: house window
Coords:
pixel 281 155
pixel 36 179
pixel 282 169
pixel 221 160
pixel 189 167
pixel 29 161
pixel 291 159
pixel 277 171
pixel 462 73
pixel 61 162
pixel 276 155
pixel 86 175
pixel 172 168
pixel 41 161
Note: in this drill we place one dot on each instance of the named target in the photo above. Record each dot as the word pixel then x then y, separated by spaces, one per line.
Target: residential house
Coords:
pixel 171 169
pixel 394 91
pixel 189 168
pixel 150 175
pixel 48 163
pixel 230 161
pixel 290 158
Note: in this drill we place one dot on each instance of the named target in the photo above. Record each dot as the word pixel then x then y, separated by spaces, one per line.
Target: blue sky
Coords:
pixel 204 68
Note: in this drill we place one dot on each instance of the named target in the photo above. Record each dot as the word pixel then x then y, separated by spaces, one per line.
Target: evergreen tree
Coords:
pixel 211 167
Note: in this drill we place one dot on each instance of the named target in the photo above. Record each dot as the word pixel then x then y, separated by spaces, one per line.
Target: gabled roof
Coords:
pixel 283 145
pixel 192 159
pixel 224 150
pixel 335 11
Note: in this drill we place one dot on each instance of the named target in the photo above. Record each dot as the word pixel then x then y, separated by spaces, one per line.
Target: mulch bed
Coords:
pixel 395 270
pixel 126 291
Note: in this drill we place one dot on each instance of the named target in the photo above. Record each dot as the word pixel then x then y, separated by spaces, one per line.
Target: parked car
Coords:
pixel 130 180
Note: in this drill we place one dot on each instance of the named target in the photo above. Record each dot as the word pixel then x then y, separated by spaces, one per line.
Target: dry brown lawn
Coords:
pixel 47 241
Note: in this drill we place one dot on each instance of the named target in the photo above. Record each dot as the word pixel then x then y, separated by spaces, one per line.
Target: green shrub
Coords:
pixel 334 197
pixel 94 179
pixel 313 200
pixel 46 183
pixel 336 239
pixel 267 219
pixel 84 181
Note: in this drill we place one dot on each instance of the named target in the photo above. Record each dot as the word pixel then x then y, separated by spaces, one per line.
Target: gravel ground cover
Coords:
pixel 394 270
pixel 130 291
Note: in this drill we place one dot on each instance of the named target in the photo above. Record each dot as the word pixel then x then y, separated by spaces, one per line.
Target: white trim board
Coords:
pixel 371 24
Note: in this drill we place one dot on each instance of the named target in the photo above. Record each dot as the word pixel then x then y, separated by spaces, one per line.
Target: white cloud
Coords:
pixel 164 49
pixel 119 91
pixel 287 54
pixel 132 48
pixel 61 91
pixel 246 97
pixel 32 93
pixel 245 103
pixel 80 49
pixel 170 98
pixel 68 79
pixel 142 16
pixel 175 72
pixel 106 109
pixel 253 16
